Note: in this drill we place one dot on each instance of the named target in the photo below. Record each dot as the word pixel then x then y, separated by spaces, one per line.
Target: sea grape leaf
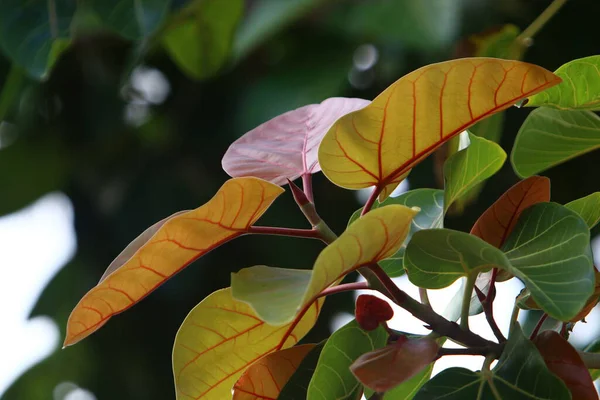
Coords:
pixel 550 137
pixel 265 378
pixel 471 166
pixel 200 38
pixel 297 386
pixel 378 145
pixel 588 208
pixel 31 31
pixel 220 338
pixel 562 359
pixel 179 241
pixel 286 146
pixel 332 378
pixel 548 250
pixel 520 374
pixel 580 88
pixel 372 238
pixel 431 203
pixel 408 389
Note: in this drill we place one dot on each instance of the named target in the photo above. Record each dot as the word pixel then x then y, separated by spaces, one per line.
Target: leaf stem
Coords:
pixel 369 204
pixel 293 232
pixel 488 309
pixel 424 297
pixel 525 37
pixel 10 90
pixel 307 187
pixel 513 318
pixel 466 301
pixel 345 287
pixel 471 351
pixel 538 326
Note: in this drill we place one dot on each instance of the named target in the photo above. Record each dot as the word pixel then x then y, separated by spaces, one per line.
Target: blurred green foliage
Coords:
pixel 74 120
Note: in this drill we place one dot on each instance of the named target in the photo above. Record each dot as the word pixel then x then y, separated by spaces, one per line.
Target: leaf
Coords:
pixel 579 90
pixel 29 30
pixel 265 378
pixel 220 338
pixel 548 250
pixel 588 208
pixel 286 146
pixel 408 389
pixel 378 145
pixel 592 301
pixel 550 137
pixel 180 241
pixel 562 359
pixel 431 203
pixel 593 347
pixel 332 378
pixel 383 369
pixel 199 40
pixel 498 221
pixel 297 386
pixel 372 238
pixel 473 165
pixel 520 374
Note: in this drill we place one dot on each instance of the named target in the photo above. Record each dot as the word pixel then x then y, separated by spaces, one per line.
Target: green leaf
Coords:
pixel 431 203
pixel 594 347
pixel 550 137
pixel 548 250
pixel 132 19
pixel 580 88
pixel 407 390
pixel 29 29
pixel 199 40
pixel 588 208
pixel 471 166
pixel 521 373
pixel 297 386
pixel 332 378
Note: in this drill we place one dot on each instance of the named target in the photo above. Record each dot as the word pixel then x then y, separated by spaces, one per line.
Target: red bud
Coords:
pixel 371 311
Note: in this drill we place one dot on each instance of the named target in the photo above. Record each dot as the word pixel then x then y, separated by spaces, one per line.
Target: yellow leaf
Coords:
pixel 266 377
pixel 179 241
pixel 220 338
pixel 372 238
pixel 378 145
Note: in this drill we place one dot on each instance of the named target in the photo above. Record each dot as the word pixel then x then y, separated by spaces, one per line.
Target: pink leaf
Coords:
pixel 286 146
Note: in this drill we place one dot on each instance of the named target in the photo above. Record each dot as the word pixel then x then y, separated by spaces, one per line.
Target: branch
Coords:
pixel 488 308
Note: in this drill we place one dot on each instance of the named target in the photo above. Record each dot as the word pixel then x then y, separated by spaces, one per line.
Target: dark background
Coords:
pixel 121 178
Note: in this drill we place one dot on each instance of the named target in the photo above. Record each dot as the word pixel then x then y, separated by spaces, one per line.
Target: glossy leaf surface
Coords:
pixel 471 166
pixel 332 378
pixel 372 238
pixel 498 221
pixel 550 137
pixel 220 338
pixel 520 374
pixel 588 208
pixel 286 146
pixel 297 386
pixel 580 88
pixel 265 378
pixel 384 369
pixel 378 145
pixel 181 240
pixel 431 203
pixel 199 40
pixel 562 359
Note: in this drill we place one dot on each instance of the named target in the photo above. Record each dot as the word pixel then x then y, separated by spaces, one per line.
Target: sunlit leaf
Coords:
pixel 550 137
pixel 181 240
pixel 378 145
pixel 588 208
pixel 199 39
pixel 473 165
pixel 580 88
pixel 297 386
pixel 548 250
pixel 498 221
pixel 383 369
pixel 220 338
pixel 286 146
pixel 132 19
pixel 332 378
pixel 431 204
pixel 520 374
pixel 372 238
pixel 265 378
pixel 562 359
pixel 30 29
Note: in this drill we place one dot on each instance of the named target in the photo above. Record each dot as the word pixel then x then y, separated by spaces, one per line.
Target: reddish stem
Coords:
pixel 488 309
pixel 307 186
pixel 538 326
pixel 293 232
pixel 369 204
pixel 344 288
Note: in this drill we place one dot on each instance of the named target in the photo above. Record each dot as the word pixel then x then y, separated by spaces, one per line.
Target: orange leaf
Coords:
pixel 496 223
pixel 563 360
pixel 179 241
pixel 266 377
pixel 378 145
pixel 221 337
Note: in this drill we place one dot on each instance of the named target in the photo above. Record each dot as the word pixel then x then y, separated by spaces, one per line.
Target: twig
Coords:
pixel 369 204
pixel 538 326
pixel 488 310
pixel 539 22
